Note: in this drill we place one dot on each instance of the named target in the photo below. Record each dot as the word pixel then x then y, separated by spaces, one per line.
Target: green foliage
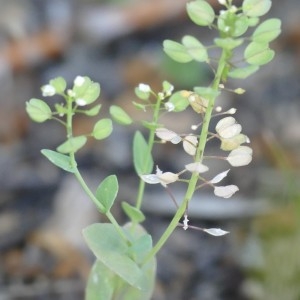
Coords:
pixel 107 192
pixel 102 129
pixel 60 160
pixel 142 158
pixel 125 265
pixel 133 213
pixel 200 12
pixel 59 84
pixel 118 263
pixel 119 115
pixel 72 145
pixel 38 110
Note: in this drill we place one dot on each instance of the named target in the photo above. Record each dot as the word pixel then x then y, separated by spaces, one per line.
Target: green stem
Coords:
pixel 151 138
pixel 198 158
pixel 80 179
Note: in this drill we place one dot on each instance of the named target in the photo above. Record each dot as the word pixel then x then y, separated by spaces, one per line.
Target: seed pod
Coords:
pixel 198 104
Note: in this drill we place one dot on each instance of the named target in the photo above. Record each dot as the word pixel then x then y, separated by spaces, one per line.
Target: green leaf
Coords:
pixel 200 12
pixel 141 95
pixel 88 91
pixel 195 48
pixel 59 84
pixel 119 115
pixel 150 125
pixel 104 283
pixel 107 245
pixel 256 8
pixel 258 54
pixel 142 158
pixel 206 92
pixel 102 129
pixel 267 31
pixel 228 43
pixel 101 282
pixel 60 109
pixel 92 111
pixel 38 110
pixel 167 87
pixel 243 73
pixel 139 106
pixel 179 100
pixel 232 24
pixel 176 51
pixel 133 213
pixel 72 145
pixel 60 160
pixel 107 192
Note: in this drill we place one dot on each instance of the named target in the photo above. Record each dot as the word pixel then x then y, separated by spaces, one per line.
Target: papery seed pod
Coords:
pixel 198 104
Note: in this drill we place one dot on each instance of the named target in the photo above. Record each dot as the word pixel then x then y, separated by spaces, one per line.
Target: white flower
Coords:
pixel 225 191
pixel 189 144
pixel 222 2
pixel 169 106
pixel 71 93
pixel 160 177
pixel 48 90
pixel 80 102
pixel 144 88
pixel 79 80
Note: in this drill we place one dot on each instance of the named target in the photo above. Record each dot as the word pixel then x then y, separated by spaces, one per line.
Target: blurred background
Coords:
pixel 119 44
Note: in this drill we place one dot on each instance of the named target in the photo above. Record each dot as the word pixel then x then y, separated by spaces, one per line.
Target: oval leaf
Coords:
pixel 119 115
pixel 107 191
pixel 200 12
pixel 72 145
pixel 38 110
pixel 176 51
pixel 102 129
pixel 60 160
pixel 256 8
pixel 267 31
pixel 243 73
pixel 179 101
pixel 59 83
pixel 92 111
pixel 258 54
pixel 195 48
pixel 133 213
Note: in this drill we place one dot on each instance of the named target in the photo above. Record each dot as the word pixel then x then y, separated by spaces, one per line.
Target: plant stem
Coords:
pixel 80 179
pixel 151 138
pixel 198 158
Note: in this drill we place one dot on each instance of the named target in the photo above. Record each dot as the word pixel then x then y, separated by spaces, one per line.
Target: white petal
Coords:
pixel 169 106
pixel 225 191
pixel 150 178
pixel 80 102
pixel 79 80
pixel 189 144
pixel 48 90
pixel 215 231
pixel 241 156
pixel 176 139
pixel 219 177
pixel 196 167
pixel 166 134
pixel 144 88
pixel 167 177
